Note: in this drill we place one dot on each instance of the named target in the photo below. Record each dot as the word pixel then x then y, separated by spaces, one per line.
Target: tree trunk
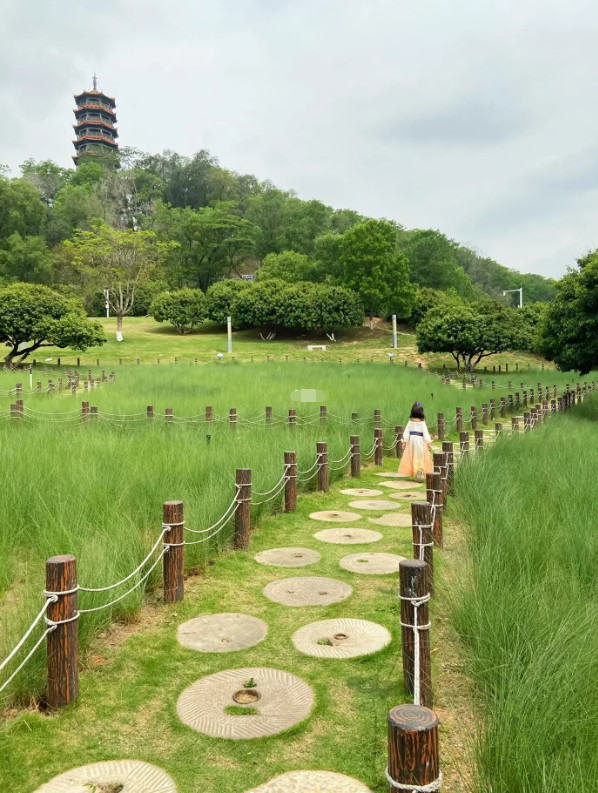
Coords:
pixel 119 327
pixel 371 322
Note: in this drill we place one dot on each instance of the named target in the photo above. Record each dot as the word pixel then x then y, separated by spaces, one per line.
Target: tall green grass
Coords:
pixel 527 606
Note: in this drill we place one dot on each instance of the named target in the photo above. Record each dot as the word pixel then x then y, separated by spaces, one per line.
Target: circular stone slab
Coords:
pixel 307 591
pixel 221 633
pixel 348 638
pixel 284 700
pixel 134 776
pixel 371 563
pixel 348 536
pixel 392 519
pixel 311 782
pixel 288 557
pixel 392 475
pixel 361 491
pixel 409 495
pixel 334 516
pixel 393 484
pixel 378 504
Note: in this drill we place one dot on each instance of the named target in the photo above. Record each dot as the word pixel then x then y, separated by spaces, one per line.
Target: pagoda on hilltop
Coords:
pixel 96 123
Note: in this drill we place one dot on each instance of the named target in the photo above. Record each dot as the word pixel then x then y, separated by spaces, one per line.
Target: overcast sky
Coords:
pixel 478 118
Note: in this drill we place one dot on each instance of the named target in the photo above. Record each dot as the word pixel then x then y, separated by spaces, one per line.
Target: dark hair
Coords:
pixel 417 411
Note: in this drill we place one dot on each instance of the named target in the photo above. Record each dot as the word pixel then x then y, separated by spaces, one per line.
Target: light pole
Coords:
pixel 107 296
pixel 520 290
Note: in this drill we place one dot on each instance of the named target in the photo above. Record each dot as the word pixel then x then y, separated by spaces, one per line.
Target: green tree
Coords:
pixel 470 333
pixel 337 308
pixel 21 209
pixel 185 309
pixel 119 261
pixel 35 316
pixel 26 259
pixel 222 297
pixel 433 262
pixel 375 270
pixel 267 211
pixel 47 177
pixel 568 330
pixel 427 299
pixel 287 266
pixel 328 265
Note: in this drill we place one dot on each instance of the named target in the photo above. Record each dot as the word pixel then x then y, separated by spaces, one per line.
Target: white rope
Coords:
pixel 267 493
pixel 165 528
pixel 222 519
pixel 416 603
pixel 431 787
pixel 27 634
pixel 311 468
pixel 274 495
pixel 29 655
pixel 133 588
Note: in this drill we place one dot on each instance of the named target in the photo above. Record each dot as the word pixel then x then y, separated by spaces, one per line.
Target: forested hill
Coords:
pixel 224 223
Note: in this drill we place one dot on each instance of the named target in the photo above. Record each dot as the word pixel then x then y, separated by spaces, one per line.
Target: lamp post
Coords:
pixel 107 296
pixel 520 290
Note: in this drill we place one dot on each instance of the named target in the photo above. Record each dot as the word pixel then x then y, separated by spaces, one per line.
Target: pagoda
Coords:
pixel 96 123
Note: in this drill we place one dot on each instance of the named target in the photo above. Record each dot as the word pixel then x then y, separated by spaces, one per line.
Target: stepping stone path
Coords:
pixel 377 504
pixel 396 485
pixel 222 633
pixel 311 782
pixel 125 776
pixel 288 557
pixel 279 698
pixel 409 495
pixel 361 491
pixel 392 519
pixel 348 536
pixel 341 638
pixel 372 563
pixel 391 475
pixel 307 591
pixel 335 516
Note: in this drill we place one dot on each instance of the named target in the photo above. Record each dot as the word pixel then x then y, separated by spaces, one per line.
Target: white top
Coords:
pixel 416 426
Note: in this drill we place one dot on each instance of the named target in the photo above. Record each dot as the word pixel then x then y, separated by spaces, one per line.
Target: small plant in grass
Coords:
pixel 106 787
pixel 250 683
pixel 241 710
pixel 325 642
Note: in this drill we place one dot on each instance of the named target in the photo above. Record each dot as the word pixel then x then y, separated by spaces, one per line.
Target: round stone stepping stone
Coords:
pixel 307 591
pixel 341 638
pixel 348 536
pixel 371 503
pixel 126 776
pixel 395 484
pixel 279 700
pixel 361 491
pixel 221 633
pixel 391 474
pixel 311 782
pixel 371 563
pixel 335 516
pixel 392 519
pixel 409 495
pixel 288 557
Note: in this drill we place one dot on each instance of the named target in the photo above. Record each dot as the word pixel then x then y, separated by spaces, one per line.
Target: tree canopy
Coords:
pixel 185 309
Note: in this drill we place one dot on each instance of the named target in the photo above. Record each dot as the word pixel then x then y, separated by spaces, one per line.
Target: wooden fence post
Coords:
pixel 515 425
pixel 399 430
pixel 498 428
pixel 323 475
pixel 62 642
pixel 553 405
pixel 150 411
pixel 484 414
pixel 479 439
pixel 516 400
pixel 232 417
pixel 323 414
pixel 173 564
pixel 355 456
pixel 474 417
pixel 423 539
pixel 378 447
pixel 414 612
pixel 377 418
pixel 93 412
pixel 412 748
pixel 527 421
pixel 209 414
pixel 440 460
pixel 84 412
pixel 492 409
pixel 448 448
pixel 459 418
pixel 464 443
pixel 268 414
pixel 503 408
pixel 524 392
pixel 354 416
pixel 439 426
pixel 243 510
pixel 290 484
pixel 168 415
pixel 434 497
pixel 292 417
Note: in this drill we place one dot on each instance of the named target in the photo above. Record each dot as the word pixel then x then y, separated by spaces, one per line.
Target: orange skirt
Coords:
pixel 416 457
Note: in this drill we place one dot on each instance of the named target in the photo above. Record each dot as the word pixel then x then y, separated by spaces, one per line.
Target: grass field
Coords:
pixel 527 608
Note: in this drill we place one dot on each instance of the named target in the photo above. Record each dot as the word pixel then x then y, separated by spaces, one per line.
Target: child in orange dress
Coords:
pixel 417 446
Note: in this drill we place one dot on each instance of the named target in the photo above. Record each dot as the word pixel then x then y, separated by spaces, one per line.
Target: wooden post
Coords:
pixel 323 414
pixel 355 456
pixel 498 428
pixel 503 408
pixel 378 447
pixel 150 411
pixel 268 415
pixel 464 443
pixel 423 539
pixel 515 425
pixel 527 421
pixel 516 400
pixel 524 397
pixel 209 414
pixel 441 466
pixel 493 383
pixel 290 484
pixel 62 643
pixel 232 416
pixel 510 402
pixel 93 413
pixel 555 392
pixel 323 474
pixel 479 439
pixel 243 510
pixel 86 385
pixel 173 562
pixel 399 440
pixel 39 386
pixel 492 409
pixel 434 496
pixel 553 405
pixel 377 418
pixel 168 415
pixel 412 587
pixel 484 414
pixel 448 448
pixel 459 418
pixel 292 417
pixel 84 412
pixel 354 416
pixel 474 417
pixel 531 396
pixel 439 426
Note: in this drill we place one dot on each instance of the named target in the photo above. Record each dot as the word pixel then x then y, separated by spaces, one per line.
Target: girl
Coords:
pixel 417 446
